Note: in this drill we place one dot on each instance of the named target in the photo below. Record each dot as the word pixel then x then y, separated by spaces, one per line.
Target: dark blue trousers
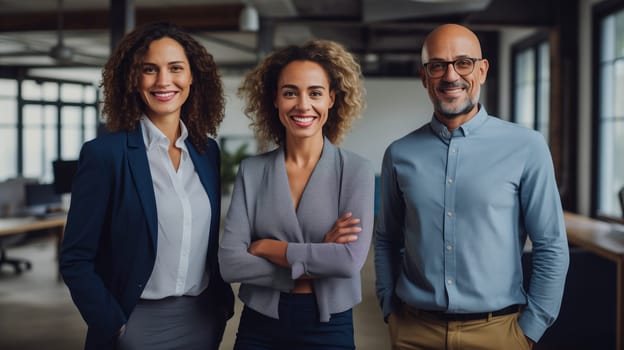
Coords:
pixel 298 327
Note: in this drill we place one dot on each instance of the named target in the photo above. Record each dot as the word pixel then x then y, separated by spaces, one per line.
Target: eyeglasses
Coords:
pixel 463 66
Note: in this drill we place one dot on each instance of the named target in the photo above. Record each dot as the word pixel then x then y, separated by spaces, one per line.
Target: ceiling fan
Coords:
pixel 60 54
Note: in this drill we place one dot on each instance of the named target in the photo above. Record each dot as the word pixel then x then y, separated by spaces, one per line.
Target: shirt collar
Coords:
pixel 464 130
pixel 153 136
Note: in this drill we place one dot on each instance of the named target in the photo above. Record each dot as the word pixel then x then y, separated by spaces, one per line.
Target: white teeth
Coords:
pixel 303 119
pixel 164 94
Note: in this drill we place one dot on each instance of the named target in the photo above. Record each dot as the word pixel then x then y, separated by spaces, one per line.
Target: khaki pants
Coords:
pixel 413 330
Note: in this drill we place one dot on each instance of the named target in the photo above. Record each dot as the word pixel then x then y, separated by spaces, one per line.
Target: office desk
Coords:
pixel 55 225
pixel 599 237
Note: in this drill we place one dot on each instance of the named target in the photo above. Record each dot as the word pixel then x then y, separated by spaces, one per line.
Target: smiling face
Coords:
pixel 165 79
pixel 455 97
pixel 303 99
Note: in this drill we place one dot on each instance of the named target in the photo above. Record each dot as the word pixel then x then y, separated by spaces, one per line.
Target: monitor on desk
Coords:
pixel 41 199
pixel 64 171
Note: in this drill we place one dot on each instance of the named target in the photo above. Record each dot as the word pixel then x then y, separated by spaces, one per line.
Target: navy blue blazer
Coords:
pixel 109 247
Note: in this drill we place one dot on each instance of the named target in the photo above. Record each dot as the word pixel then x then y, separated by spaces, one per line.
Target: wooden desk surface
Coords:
pixel 603 238
pixel 55 224
pixel 9 226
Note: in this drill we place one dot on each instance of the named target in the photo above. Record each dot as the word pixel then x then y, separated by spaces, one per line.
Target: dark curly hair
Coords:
pixel 123 107
pixel 259 88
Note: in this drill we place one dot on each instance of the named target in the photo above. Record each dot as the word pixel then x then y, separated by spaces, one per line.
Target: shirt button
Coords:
pixel 449 247
pixel 450 181
pixel 449 281
pixel 450 213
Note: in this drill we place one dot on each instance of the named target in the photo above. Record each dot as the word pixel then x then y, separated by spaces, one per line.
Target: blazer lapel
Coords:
pixel 139 168
pixel 208 175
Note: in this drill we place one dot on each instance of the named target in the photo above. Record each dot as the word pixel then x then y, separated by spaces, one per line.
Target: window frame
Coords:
pixel 532 42
pixel 59 104
pixel 600 12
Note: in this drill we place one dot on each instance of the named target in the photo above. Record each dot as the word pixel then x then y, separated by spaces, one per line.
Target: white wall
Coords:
pixel 395 107
pixel 235 122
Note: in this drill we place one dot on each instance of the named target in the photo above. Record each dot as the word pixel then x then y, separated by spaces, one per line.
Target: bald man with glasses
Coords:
pixel 459 197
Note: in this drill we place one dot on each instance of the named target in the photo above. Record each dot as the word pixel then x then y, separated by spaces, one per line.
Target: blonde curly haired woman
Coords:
pixel 300 222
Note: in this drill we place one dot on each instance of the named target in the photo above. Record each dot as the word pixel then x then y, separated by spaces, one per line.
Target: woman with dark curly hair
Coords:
pixel 140 249
pixel 300 221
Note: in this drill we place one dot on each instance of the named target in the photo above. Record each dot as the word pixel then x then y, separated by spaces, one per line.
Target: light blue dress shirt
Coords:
pixel 456 209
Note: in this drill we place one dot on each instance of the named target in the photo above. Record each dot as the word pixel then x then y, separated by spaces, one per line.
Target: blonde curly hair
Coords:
pixel 259 89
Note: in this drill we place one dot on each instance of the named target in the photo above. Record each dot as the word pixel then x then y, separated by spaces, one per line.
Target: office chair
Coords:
pixel 621 197
pixel 18 265
pixel 11 201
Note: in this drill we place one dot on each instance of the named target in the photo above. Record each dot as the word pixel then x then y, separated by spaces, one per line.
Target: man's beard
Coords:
pixel 444 109
pixel 451 113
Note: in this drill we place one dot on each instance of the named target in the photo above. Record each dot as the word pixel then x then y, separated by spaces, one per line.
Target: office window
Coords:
pixel 611 113
pixel 56 118
pixel 531 84
pixel 49 91
pixel 543 89
pixel 71 132
pixel 90 94
pixel 31 90
pixel 39 142
pixel 72 93
pixel 90 124
pixel 524 92
pixel 8 128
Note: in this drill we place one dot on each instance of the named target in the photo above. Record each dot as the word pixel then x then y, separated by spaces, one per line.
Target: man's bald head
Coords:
pixel 448 37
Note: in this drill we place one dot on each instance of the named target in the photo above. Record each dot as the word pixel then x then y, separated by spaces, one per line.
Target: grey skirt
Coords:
pixel 174 323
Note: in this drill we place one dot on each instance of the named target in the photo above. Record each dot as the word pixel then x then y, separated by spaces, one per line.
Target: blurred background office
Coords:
pixel 556 66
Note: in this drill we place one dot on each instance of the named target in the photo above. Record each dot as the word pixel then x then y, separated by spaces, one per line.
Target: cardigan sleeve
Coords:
pixel 236 263
pixel 357 190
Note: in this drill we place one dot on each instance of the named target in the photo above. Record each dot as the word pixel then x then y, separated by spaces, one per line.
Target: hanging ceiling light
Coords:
pixel 249 20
